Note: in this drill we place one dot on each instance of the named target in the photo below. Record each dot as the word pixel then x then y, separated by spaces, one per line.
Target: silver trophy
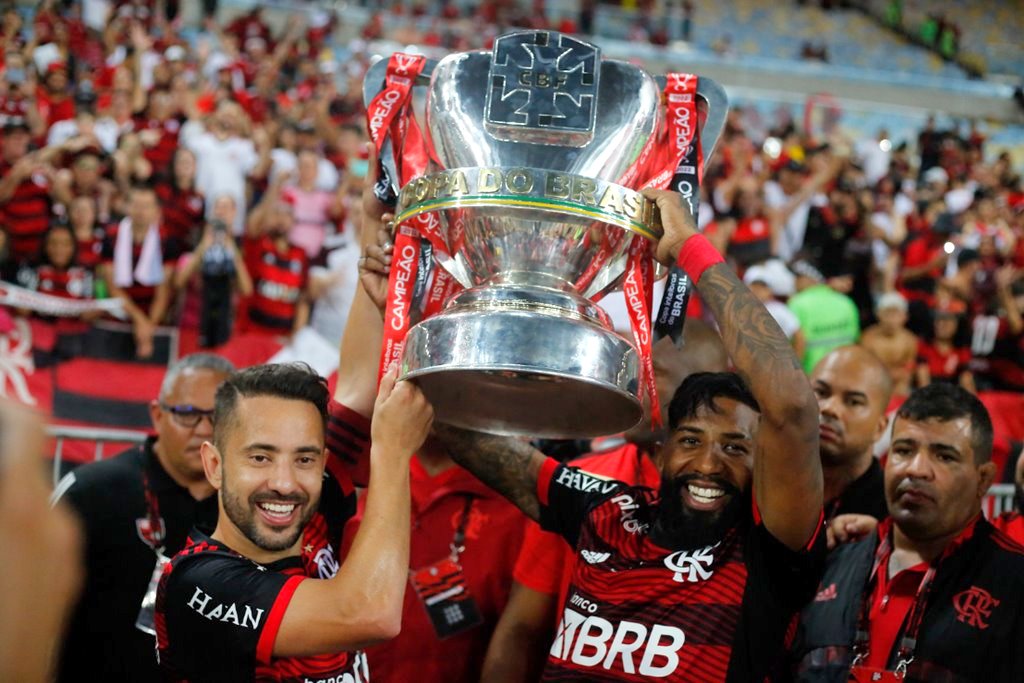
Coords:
pixel 529 145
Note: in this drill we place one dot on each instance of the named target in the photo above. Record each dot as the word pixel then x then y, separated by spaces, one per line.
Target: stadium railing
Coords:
pixel 99 437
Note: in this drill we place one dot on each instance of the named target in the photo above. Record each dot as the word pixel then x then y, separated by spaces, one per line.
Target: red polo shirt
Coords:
pixel 890 605
pixel 546 562
pixel 493 533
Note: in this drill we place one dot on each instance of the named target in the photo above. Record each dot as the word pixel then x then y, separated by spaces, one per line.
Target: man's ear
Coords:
pixel 987 475
pixel 213 464
pixel 155 413
pixel 883 424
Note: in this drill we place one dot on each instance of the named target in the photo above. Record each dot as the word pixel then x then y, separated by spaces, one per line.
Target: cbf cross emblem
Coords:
pixel 974 607
pixel 542 82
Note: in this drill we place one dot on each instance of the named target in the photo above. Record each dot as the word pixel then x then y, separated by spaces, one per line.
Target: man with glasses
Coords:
pixel 137 509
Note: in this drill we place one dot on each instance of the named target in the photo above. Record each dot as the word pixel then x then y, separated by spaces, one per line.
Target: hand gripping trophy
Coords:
pixel 517 175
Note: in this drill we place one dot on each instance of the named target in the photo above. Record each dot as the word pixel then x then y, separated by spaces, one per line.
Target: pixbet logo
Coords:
pixel 629 507
pixel 592 641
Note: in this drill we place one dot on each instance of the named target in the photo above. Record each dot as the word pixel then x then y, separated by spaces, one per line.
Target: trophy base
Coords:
pixel 524 361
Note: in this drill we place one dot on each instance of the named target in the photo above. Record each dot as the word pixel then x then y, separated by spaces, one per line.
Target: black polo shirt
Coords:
pixel 102 642
pixel 864 496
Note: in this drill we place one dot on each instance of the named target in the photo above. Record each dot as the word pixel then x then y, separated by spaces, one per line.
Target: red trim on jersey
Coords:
pixel 547 470
pixel 265 646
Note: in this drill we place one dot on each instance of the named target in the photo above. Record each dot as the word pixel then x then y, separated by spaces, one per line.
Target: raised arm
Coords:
pixel 362 604
pixel 787 469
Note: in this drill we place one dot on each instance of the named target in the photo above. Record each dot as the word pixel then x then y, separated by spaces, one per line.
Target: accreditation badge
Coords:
pixel 442 589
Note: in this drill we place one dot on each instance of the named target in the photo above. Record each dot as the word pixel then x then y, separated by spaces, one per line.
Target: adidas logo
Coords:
pixel 826 594
pixel 594 558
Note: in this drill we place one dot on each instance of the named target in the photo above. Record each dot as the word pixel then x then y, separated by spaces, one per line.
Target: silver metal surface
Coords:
pixel 535 149
pixel 524 372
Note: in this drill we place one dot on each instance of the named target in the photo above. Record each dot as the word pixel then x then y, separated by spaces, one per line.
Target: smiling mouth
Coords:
pixel 278 514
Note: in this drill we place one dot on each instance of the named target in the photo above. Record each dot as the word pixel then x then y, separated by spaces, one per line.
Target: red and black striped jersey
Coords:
pixel 27 214
pixel 279 281
pixel 218 613
pixel 183 212
pixel 160 154
pixel 70 283
pixel 637 611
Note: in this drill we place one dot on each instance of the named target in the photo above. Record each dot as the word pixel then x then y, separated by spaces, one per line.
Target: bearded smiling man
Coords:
pixel 701 580
pixel 243 603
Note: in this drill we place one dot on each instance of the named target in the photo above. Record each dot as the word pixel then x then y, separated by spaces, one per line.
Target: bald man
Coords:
pixel 853 388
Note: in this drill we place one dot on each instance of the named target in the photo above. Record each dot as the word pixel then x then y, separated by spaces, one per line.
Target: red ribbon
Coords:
pixel 637 288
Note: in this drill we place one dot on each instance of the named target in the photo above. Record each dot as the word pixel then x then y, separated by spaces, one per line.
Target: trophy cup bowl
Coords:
pixel 528 146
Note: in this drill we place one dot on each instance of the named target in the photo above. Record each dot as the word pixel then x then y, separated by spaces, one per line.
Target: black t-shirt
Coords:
pixel 865 495
pixel 102 642
pixel 636 611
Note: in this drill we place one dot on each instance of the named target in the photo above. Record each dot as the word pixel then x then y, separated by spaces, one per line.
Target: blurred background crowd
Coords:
pixel 200 165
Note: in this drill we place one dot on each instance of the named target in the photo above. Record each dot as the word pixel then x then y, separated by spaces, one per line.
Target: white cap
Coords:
pixel 174 53
pixel 773 273
pixel 936 174
pixel 891 300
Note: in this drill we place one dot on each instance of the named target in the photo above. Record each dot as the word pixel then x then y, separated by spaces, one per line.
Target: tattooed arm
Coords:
pixel 787 468
pixel 508 465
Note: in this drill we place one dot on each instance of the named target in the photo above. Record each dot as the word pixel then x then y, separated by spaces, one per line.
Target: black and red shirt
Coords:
pixel 160 154
pixel 183 212
pixel 67 283
pixel 279 282
pixel 26 215
pixel 944 365
pixel 637 611
pixel 972 624
pixel 218 612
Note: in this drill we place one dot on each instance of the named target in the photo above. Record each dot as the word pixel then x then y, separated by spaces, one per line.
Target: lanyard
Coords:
pixel 458 544
pixel 156 526
pixel 908 643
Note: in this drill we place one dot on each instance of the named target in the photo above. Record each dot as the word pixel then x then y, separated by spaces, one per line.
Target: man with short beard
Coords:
pixel 853 388
pixel 700 580
pixel 243 603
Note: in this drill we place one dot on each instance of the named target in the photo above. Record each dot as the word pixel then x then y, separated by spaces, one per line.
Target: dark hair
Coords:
pixel 295 381
pixel 944 402
pixel 700 390
pixel 44 258
pixel 967 256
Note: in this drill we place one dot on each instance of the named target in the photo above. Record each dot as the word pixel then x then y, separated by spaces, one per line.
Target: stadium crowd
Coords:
pixel 220 186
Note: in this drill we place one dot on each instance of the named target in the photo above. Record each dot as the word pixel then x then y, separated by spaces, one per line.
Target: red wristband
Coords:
pixel 697 255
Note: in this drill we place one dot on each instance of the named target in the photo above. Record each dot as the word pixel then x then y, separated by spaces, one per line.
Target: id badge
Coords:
pixel 865 674
pixel 442 589
pixel 145 621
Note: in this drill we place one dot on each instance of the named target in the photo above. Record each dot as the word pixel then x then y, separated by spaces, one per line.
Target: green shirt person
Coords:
pixel 828 319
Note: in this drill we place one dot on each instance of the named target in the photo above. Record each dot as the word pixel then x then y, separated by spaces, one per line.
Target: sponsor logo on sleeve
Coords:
pixel 245 616
pixel 593 557
pixel 581 481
